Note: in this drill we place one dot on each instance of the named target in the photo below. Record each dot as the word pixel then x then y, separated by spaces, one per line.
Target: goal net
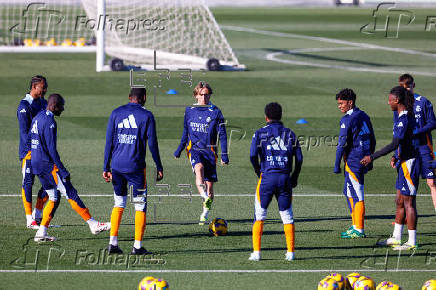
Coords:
pixel 183 33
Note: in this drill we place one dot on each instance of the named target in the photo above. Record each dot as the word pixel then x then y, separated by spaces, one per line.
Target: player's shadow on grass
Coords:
pixel 370 256
pixel 250 221
pixel 186 223
pixel 92 237
pixel 328 58
pixel 432 234
pixel 297 220
pixel 212 251
pixel 392 217
pixel 322 218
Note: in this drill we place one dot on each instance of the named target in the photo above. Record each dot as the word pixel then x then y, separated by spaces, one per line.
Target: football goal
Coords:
pixel 145 33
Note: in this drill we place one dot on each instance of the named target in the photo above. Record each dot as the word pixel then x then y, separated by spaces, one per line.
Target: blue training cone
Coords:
pixel 172 92
pixel 302 121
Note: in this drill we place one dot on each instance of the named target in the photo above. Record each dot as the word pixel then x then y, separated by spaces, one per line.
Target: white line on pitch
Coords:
pixel 216 271
pixel 329 40
pixel 274 57
pixel 355 45
pixel 231 195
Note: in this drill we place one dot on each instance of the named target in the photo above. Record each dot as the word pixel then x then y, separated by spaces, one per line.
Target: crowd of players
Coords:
pixel 275 155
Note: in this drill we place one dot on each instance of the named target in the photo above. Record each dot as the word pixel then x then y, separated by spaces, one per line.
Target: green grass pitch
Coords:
pixel 184 253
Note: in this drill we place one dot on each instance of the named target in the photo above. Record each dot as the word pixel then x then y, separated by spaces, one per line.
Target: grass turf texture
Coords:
pixel 178 243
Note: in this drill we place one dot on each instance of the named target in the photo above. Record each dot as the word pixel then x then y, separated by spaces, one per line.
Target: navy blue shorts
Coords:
pixel 354 184
pixel 408 176
pixel 426 159
pixel 49 178
pixel 208 159
pixel 121 181
pixel 274 184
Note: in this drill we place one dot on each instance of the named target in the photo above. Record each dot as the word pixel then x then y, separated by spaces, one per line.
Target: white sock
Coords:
pixel 205 213
pixel 256 252
pixel 137 244
pixel 359 230
pixel 412 237
pixel 113 240
pixel 42 231
pixel 91 222
pixel 29 219
pixel 398 230
pixel 204 195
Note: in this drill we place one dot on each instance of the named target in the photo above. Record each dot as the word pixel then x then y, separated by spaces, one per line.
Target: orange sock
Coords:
pixel 290 236
pixel 83 212
pixel 350 199
pixel 40 202
pixel 27 205
pixel 46 215
pixel 257 235
pixel 140 218
pixel 359 214
pixel 117 214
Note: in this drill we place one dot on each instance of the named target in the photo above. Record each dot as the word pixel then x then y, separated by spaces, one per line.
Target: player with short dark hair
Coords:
pixel 54 177
pixel 28 108
pixel 356 140
pixel 203 123
pixel 129 128
pixel 275 147
pixel 426 122
pixel 406 143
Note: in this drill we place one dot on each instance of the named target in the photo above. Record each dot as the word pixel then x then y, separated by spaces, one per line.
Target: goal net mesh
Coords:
pixel 180 31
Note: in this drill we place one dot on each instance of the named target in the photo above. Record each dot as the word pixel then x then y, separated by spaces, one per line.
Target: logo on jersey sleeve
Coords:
pixel 343 126
pixel 364 130
pixel 128 122
pixel 400 125
pixel 23 111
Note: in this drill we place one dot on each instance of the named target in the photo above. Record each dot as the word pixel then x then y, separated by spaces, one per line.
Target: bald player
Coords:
pixel 54 177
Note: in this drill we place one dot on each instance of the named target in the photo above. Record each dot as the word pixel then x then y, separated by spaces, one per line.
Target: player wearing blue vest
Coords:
pixel 54 177
pixel 356 140
pixel 202 124
pixel 275 146
pixel 401 100
pixel 128 130
pixel 31 105
pixel 426 122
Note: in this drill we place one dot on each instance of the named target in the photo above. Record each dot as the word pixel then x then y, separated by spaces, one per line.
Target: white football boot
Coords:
pixel 389 242
pixel 290 256
pixel 99 227
pixel 255 256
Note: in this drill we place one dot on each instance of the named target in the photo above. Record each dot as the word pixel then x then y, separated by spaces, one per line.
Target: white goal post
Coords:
pixel 180 33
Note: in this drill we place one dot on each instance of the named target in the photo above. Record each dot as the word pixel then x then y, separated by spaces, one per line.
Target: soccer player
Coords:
pixel 276 147
pixel 54 177
pixel 202 123
pixel 401 100
pixel 31 105
pixel 128 129
pixel 356 140
pixel 426 122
